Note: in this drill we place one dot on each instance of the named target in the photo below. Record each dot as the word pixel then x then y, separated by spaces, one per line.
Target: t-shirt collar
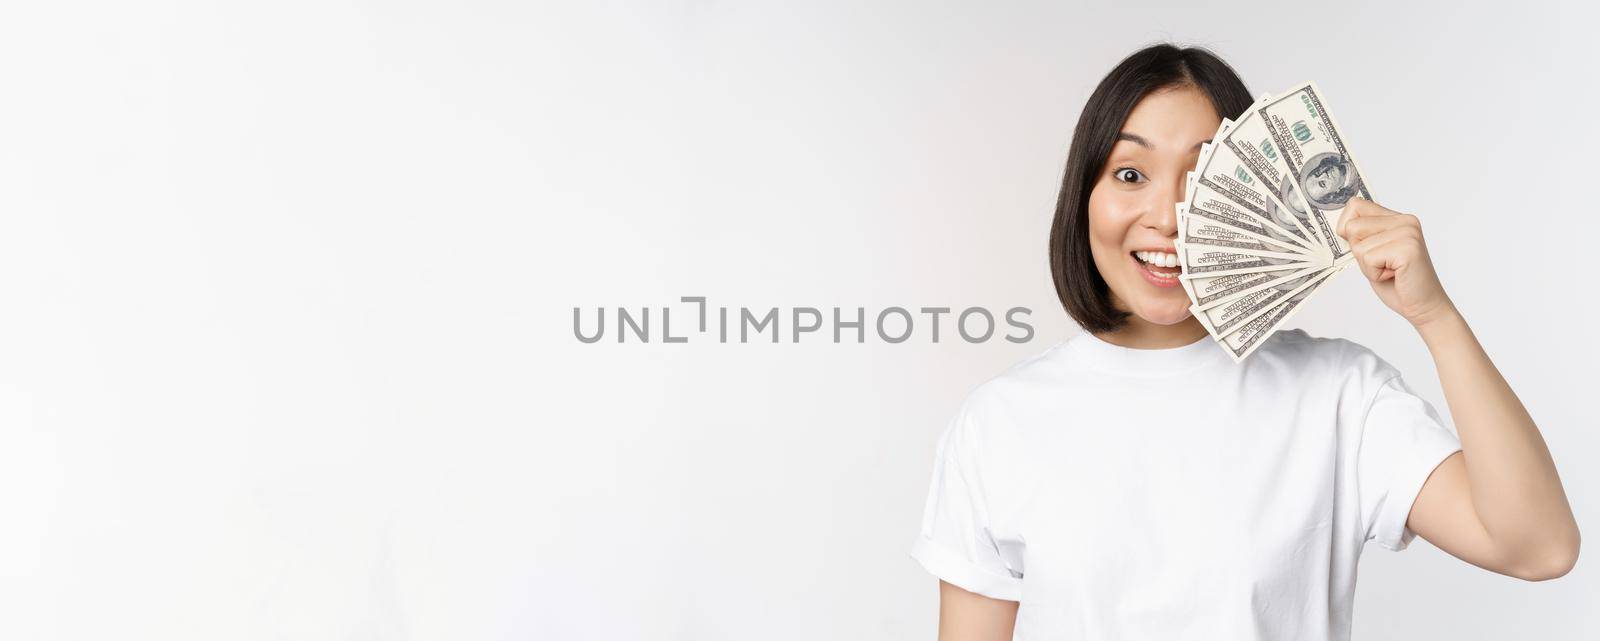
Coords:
pixel 1102 355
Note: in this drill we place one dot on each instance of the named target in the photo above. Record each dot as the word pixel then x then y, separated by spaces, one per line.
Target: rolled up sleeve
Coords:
pixel 955 542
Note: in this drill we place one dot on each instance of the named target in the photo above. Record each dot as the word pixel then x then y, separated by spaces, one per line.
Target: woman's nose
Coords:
pixel 1163 216
pixel 1166 220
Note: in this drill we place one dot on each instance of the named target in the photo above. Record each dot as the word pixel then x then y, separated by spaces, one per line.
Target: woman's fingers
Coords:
pixel 1370 267
pixel 1363 218
pixel 1357 207
pixel 1389 249
pixel 1383 254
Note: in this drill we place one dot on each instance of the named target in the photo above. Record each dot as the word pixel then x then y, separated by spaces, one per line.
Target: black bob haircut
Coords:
pixel 1083 292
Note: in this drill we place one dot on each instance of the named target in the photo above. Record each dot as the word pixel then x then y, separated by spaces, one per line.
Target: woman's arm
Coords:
pixel 1498 503
pixel 968 616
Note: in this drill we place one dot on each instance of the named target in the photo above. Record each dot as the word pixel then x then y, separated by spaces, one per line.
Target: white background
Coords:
pixel 286 297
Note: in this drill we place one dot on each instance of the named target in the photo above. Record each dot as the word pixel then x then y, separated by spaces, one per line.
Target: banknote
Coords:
pixel 1215 262
pixel 1255 230
pixel 1204 202
pixel 1209 291
pixel 1220 320
pixel 1251 144
pixel 1203 231
pixel 1316 158
pixel 1222 172
pixel 1240 344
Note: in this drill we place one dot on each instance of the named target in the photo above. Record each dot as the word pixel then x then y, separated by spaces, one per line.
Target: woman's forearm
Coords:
pixel 1516 491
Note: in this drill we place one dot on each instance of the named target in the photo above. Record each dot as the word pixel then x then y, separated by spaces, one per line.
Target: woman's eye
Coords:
pixel 1128 175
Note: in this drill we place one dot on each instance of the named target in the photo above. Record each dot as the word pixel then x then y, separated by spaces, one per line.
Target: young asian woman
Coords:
pixel 1133 482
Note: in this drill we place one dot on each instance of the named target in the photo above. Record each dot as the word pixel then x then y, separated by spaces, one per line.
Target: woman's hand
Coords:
pixel 1389 249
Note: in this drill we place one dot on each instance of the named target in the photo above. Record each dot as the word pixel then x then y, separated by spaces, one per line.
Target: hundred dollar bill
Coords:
pixel 1205 202
pixel 1220 170
pixel 1252 142
pixel 1221 320
pixel 1209 291
pixel 1240 344
pixel 1197 262
pixel 1203 231
pixel 1315 156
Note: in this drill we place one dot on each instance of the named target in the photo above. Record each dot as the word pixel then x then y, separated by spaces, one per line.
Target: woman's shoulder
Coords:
pixel 1039 367
pixel 1336 356
pixel 1025 378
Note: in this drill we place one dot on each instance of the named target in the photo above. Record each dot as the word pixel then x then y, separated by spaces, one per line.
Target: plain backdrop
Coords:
pixel 286 296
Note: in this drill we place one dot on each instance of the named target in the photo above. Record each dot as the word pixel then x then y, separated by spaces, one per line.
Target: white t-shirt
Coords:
pixel 1172 494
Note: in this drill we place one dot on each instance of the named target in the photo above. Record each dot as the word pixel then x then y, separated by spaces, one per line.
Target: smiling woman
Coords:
pixel 1131 215
pixel 1133 482
pixel 1140 132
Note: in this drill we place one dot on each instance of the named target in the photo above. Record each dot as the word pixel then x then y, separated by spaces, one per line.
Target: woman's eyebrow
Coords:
pixel 1136 139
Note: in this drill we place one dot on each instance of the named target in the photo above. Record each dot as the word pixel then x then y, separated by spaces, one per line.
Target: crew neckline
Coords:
pixel 1106 356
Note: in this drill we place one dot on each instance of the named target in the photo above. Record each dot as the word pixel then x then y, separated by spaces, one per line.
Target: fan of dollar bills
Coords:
pixel 1256 233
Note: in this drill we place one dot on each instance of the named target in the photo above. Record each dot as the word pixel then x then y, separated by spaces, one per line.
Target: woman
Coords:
pixel 1134 483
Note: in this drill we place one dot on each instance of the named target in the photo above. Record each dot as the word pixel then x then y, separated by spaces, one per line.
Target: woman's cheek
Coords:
pixel 1107 229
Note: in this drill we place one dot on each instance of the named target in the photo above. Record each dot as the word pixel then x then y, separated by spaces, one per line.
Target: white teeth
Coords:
pixel 1161 259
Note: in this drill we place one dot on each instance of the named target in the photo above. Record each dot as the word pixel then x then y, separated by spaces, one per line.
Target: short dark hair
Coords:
pixel 1079 285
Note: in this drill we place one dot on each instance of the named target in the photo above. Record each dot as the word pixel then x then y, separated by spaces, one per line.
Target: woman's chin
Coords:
pixel 1165 315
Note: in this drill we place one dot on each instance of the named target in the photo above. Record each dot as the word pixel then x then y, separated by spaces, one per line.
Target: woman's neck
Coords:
pixel 1138 333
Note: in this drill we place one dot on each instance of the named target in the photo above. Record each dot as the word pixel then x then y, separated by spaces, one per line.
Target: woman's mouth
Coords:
pixel 1159 268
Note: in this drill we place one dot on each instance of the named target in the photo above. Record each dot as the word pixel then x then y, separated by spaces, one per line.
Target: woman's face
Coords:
pixel 1132 224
